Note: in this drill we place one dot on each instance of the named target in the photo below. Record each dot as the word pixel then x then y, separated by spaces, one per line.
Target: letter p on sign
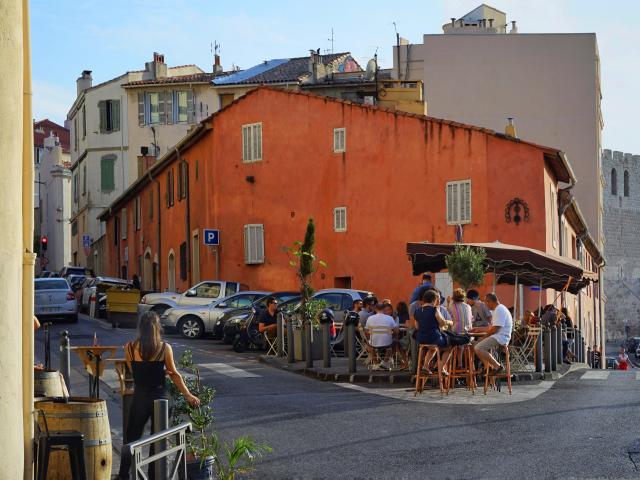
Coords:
pixel 211 237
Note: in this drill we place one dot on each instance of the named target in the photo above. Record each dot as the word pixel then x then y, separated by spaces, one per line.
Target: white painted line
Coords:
pixel 110 377
pixel 637 375
pixel 228 370
pixel 595 375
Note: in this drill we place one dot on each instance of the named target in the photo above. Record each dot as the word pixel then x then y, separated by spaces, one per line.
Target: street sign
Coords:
pixel 211 237
pixel 86 244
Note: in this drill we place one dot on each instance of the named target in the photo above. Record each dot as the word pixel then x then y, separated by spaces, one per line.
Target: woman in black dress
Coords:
pixel 150 360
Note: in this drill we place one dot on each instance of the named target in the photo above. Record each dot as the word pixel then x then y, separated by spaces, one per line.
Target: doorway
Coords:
pixel 195 257
pixel 171 272
pixel 342 282
pixel 147 272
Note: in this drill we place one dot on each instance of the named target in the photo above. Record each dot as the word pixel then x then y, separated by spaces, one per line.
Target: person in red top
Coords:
pixel 623 360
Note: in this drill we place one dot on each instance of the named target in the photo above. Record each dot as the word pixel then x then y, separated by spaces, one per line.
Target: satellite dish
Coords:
pixel 370 74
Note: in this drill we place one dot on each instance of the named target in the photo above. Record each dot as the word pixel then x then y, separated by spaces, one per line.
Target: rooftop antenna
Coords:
pixel 331 40
pixel 395 27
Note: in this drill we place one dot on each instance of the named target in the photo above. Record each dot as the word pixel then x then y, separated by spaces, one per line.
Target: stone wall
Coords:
pixel 621 221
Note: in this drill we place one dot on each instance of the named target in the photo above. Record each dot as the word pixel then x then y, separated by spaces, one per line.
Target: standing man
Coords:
pixel 268 322
pixel 499 333
pixel 481 314
pixel 426 282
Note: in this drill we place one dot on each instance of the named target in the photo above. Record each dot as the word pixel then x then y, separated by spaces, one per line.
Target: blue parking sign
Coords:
pixel 211 237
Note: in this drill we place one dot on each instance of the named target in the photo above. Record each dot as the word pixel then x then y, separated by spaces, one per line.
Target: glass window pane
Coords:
pixel 153 108
pixel 182 107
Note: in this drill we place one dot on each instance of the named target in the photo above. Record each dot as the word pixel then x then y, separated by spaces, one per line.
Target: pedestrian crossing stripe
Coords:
pixel 595 375
pixel 228 370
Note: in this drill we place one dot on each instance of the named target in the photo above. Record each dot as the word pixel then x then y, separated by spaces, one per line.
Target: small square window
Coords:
pixel 458 202
pixel 340 219
pixel 339 140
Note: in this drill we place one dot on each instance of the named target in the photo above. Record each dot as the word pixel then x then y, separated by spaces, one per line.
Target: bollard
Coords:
pixel 539 354
pixel 65 359
pixel 589 357
pixel 290 352
pixel 47 346
pixel 559 337
pixel 326 320
pixel 554 348
pixel 160 423
pixel 579 352
pixel 546 349
pixel 350 322
pixel 280 335
pixel 308 350
pixel 603 359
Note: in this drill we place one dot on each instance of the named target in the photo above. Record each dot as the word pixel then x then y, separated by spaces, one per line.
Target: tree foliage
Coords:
pixel 466 265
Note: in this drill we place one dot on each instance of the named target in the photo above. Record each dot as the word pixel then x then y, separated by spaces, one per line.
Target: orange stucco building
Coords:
pixel 372 179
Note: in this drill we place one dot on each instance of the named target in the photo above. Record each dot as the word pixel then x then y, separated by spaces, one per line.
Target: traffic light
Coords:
pixel 44 241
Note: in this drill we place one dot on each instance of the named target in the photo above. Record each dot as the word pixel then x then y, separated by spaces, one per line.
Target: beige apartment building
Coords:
pixel 482 70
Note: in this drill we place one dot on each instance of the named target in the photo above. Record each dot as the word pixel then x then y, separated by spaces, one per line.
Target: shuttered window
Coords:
pixel 340 219
pixel 254 244
pixel 84 122
pixel 137 214
pixel 169 193
pixel 339 140
pixel 252 142
pixel 150 204
pixel 183 261
pixel 141 116
pixel 459 202
pixel 109 111
pixel 107 173
pixel 154 112
pixel 84 179
pixel 168 106
pixel 123 223
pixel 182 180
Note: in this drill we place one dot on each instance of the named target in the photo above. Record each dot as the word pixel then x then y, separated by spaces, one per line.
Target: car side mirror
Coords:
pixel 190 293
pixel 222 305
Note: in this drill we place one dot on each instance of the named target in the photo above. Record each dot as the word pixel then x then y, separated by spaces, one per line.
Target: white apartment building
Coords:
pixel 482 70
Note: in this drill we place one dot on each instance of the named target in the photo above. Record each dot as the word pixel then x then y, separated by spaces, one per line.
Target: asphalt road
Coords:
pixel 577 428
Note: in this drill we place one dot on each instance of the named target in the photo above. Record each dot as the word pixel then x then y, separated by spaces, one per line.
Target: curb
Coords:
pixel 392 378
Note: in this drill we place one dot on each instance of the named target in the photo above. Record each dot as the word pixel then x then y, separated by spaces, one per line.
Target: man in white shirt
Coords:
pixel 498 333
pixel 380 340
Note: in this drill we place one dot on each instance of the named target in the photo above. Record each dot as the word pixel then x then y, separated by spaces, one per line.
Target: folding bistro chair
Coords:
pixel 523 356
pixel 375 362
pixel 271 344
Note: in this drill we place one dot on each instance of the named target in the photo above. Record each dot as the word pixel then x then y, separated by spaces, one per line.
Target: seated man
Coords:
pixel 268 321
pixel 499 332
pixel 381 341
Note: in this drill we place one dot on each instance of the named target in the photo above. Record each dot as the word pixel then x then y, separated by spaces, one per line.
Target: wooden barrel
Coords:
pixel 47 383
pixel 88 416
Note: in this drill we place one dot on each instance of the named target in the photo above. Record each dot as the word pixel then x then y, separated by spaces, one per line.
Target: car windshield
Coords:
pixel 51 285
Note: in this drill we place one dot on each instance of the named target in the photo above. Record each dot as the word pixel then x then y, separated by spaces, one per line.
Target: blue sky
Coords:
pixel 109 38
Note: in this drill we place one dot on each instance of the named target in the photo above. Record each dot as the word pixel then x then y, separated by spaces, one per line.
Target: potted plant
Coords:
pixel 207 457
pixel 313 309
pixel 466 265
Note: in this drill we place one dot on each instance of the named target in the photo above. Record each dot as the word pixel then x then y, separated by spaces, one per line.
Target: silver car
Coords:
pixel 194 321
pixel 54 299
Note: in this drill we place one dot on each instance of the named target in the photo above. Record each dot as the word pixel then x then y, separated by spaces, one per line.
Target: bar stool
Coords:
pixel 462 366
pixel 51 441
pixel 434 352
pixel 504 349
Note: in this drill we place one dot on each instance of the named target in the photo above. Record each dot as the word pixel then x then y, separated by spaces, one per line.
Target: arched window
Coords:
pixel 626 183
pixel 614 182
pixel 171 272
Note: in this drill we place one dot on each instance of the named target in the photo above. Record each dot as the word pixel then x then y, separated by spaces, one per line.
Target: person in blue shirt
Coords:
pixel 425 285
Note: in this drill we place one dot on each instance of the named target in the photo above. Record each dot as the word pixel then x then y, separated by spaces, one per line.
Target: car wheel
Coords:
pixel 228 339
pixel 160 309
pixel 191 327
pixel 73 318
pixel 239 345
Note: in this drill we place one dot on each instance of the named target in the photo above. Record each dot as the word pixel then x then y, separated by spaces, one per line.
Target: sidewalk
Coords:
pixel 338 372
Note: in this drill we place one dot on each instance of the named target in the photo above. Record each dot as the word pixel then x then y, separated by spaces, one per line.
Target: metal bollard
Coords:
pixel 350 321
pixel 65 359
pixel 326 343
pixel 560 357
pixel 539 354
pixel 47 346
pixel 280 335
pixel 160 423
pixel 579 352
pixel 554 348
pixel 546 349
pixel 290 353
pixel 308 348
pixel 603 360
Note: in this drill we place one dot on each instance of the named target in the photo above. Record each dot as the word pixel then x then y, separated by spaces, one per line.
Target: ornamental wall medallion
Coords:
pixel 516 210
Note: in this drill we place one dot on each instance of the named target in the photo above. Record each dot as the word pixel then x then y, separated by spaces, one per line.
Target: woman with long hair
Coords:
pixel 151 361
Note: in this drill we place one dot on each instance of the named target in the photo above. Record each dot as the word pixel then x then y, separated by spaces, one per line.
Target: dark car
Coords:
pixel 230 332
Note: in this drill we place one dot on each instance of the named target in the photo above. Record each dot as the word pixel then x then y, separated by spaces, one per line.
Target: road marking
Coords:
pixel 110 377
pixel 595 375
pixel 637 375
pixel 228 370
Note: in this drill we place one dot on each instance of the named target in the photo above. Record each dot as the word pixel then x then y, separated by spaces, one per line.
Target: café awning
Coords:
pixel 532 266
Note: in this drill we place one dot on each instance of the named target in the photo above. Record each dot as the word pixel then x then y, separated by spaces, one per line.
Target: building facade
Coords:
pixel 622 249
pixel 371 178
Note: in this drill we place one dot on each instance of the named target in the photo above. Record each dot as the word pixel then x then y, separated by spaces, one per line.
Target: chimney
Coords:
pixel 217 68
pixel 84 81
pixel 510 129
pixel 453 22
pixel 491 23
pixel 514 29
pixel 157 68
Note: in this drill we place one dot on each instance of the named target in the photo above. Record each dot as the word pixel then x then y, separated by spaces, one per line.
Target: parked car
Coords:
pixel 638 353
pixel 71 270
pixel 75 281
pixel 201 294
pixel 259 305
pixel 98 286
pixel 54 299
pixel 45 274
pixel 197 321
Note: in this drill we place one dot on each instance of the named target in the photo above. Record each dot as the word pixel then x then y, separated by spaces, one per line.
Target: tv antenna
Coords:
pixel 331 39
pixel 215 47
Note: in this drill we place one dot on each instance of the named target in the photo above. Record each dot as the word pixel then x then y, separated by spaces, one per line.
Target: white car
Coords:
pixel 54 299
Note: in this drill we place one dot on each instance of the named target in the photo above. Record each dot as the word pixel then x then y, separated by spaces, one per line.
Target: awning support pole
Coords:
pixel 515 299
pixel 494 281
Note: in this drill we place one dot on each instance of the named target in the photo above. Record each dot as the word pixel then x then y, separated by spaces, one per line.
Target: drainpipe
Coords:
pixel 159 236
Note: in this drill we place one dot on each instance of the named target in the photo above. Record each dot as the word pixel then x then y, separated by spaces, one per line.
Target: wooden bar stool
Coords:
pixel 491 379
pixel 462 366
pixel 433 352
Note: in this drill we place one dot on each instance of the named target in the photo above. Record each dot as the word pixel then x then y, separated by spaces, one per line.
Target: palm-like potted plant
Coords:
pixel 207 457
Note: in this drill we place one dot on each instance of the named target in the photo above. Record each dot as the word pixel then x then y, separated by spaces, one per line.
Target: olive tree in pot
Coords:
pixel 466 265
pixel 207 457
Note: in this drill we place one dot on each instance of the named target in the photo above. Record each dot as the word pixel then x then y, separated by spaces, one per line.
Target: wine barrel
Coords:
pixel 47 383
pixel 88 416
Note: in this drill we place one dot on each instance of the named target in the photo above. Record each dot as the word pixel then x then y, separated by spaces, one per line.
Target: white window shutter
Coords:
pixel 102 107
pixel 259 151
pixel 246 244
pixel 191 107
pixel 162 114
pixel 466 202
pixel 259 244
pixel 141 108
pixel 168 102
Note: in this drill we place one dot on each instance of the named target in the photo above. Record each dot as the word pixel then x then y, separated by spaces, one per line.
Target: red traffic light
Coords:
pixel 44 241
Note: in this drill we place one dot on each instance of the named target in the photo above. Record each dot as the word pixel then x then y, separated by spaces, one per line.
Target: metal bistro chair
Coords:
pixel 375 362
pixel 523 356
pixel 52 441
